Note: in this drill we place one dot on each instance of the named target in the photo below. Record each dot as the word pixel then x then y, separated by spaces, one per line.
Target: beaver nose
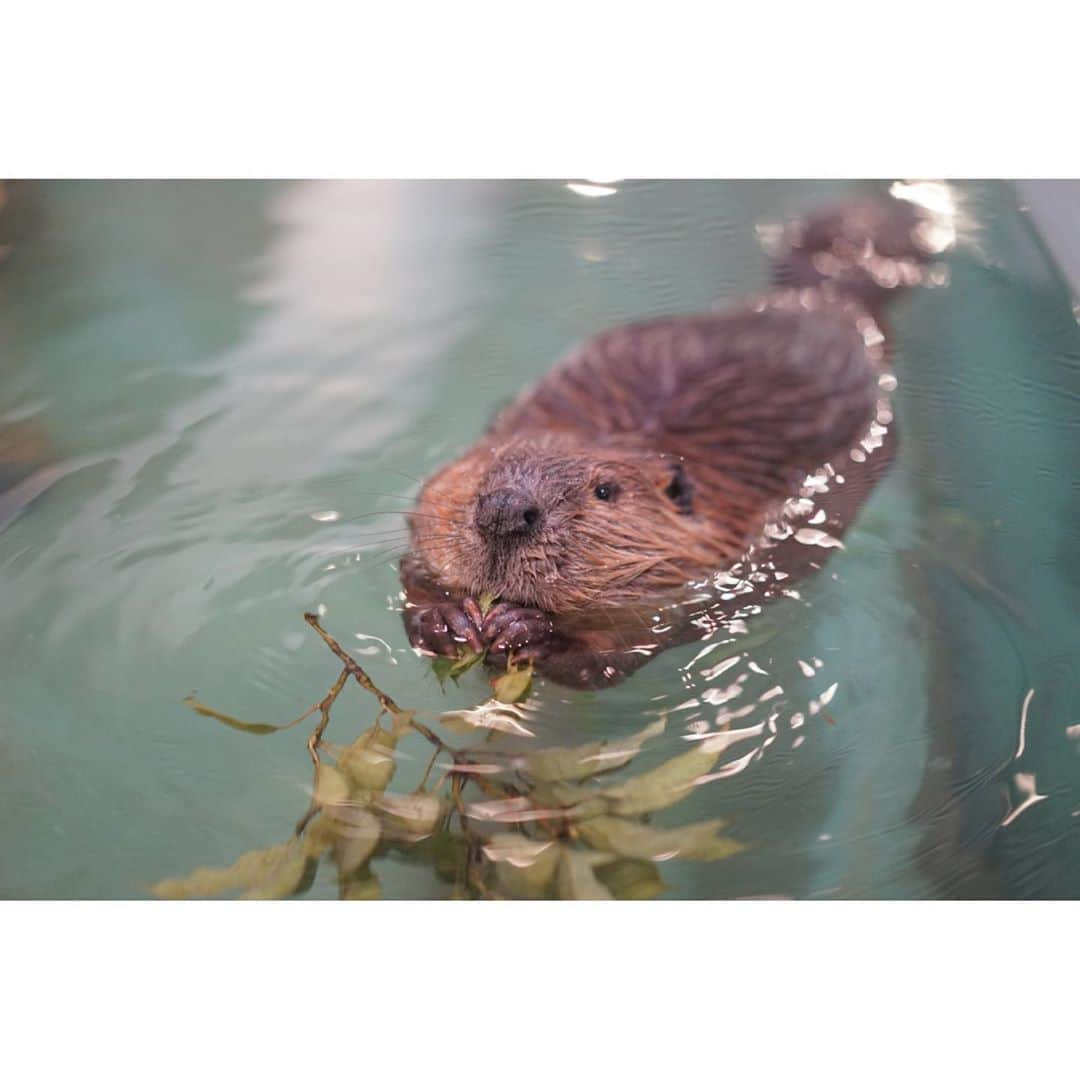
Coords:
pixel 508 513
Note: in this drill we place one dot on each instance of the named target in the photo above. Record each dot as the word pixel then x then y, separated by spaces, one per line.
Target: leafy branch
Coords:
pixel 548 823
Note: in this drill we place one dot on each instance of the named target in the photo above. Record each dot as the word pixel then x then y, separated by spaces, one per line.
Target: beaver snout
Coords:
pixel 508 513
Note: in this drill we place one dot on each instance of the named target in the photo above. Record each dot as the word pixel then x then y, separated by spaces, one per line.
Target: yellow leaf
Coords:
pixel 631 879
pixel 636 841
pixel 252 870
pixel 358 833
pixel 385 739
pixel 416 815
pixel 662 786
pixel 402 723
pixel 492 715
pixel 364 886
pixel 331 787
pixel 576 879
pixel 567 800
pixel 240 725
pixel 319 836
pixel 285 879
pixel 366 767
pixel 523 868
pixel 446 852
pixel 591 759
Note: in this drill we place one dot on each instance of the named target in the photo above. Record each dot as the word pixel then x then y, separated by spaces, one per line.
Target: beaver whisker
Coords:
pixel 383 513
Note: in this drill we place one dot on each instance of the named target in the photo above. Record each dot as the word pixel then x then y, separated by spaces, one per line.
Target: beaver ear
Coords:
pixel 676 486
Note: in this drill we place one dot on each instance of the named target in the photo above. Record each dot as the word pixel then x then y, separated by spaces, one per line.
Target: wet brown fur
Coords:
pixel 739 407
pixel 628 409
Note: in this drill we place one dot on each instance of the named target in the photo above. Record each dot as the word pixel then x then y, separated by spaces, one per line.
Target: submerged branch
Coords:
pixel 542 830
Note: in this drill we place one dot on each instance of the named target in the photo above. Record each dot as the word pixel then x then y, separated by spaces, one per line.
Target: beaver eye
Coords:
pixel 605 492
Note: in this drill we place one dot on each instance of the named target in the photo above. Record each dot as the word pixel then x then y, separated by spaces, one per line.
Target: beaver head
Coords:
pixel 552 522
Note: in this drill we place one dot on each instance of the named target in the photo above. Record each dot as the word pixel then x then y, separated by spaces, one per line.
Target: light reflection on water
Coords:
pixel 235 376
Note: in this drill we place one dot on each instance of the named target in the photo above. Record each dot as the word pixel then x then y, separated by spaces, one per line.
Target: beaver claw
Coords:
pixel 441 629
pixel 518 630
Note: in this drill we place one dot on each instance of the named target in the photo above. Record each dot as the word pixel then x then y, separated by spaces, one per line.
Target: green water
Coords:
pixel 215 363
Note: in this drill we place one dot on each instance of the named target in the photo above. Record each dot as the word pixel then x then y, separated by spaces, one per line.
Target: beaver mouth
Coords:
pixel 516 573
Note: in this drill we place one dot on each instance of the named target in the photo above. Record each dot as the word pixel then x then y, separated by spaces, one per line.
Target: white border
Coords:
pixel 563 990
pixel 554 89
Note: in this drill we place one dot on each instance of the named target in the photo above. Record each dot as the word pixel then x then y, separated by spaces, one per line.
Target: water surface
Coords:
pixel 232 377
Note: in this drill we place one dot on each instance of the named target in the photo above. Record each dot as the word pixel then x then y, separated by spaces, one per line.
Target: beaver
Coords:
pixel 671 473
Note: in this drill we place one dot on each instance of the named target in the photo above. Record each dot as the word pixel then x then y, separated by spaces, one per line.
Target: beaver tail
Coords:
pixel 870 250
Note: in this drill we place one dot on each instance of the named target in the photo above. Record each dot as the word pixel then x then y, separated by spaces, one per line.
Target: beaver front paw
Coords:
pixel 441 629
pixel 526 633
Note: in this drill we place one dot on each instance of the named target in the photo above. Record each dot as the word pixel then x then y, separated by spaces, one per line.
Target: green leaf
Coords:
pixel 276 871
pixel 240 725
pixel 486 601
pixel 524 868
pixel 576 878
pixel 662 786
pixel 631 879
pixel 449 667
pixel 465 662
pixel 441 665
pixel 514 685
pixel 629 839
pixel 581 762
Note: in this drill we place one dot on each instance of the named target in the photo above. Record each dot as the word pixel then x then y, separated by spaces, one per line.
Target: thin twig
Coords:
pixel 353 668
pixel 314 740
pixel 324 707
pixel 427 771
pixel 472 843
